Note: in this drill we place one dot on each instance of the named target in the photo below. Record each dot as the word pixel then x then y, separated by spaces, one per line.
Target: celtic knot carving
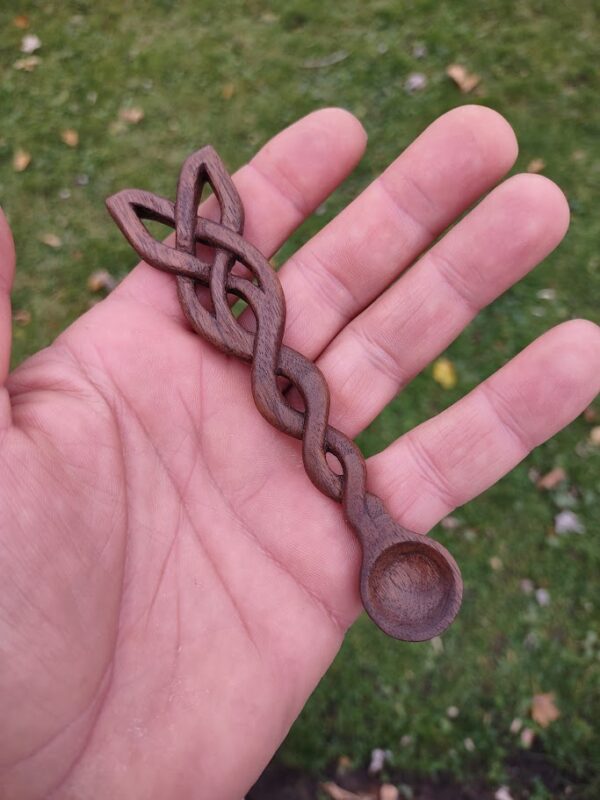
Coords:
pixel 410 585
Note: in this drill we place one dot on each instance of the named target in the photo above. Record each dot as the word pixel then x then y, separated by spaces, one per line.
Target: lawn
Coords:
pixel 233 73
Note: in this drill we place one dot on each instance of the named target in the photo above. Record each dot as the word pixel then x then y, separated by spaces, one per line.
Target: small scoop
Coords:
pixel 411 586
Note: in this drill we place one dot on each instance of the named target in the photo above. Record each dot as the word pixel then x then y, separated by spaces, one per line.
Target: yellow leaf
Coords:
pixel 70 137
pixel 444 373
pixel 228 91
pixel 21 159
pixel 21 21
pixel 465 80
pixel 536 165
pixel 544 710
pixel 51 240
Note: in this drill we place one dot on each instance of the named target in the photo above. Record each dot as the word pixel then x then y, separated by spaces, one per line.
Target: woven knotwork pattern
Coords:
pixel 410 585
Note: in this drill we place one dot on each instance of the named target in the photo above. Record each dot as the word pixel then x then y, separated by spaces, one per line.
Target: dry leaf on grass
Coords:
pixel 544 710
pixel 51 240
pixel 551 479
pixel 590 414
pixel 568 522
pixel 101 280
pixel 22 317
pixel 228 91
pixel 132 115
pixel 536 165
pixel 70 137
pixel 595 436
pixel 21 160
pixel 444 373
pixel 27 64
pixel 450 523
pixel 415 82
pixel 21 21
pixel 30 43
pixel 465 80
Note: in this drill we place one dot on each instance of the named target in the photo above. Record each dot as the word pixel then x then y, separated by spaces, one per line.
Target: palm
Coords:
pixel 173 586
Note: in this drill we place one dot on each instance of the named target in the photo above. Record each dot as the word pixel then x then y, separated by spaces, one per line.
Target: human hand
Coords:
pixel 173 586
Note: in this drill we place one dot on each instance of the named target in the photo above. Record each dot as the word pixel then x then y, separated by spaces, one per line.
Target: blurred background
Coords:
pixel 98 96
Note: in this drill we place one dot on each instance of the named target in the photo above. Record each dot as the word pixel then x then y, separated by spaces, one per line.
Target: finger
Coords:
pixel 7 271
pixel 458 454
pixel 354 258
pixel 383 348
pixel 284 182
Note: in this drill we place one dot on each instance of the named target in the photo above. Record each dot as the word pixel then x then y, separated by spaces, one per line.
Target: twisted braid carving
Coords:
pixel 410 585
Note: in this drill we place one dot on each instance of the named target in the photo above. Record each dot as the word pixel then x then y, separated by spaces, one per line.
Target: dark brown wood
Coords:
pixel 410 585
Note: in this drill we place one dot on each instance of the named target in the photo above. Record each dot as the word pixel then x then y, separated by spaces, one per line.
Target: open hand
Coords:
pixel 172 585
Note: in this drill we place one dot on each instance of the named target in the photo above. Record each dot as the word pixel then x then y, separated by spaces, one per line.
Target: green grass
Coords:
pixel 538 63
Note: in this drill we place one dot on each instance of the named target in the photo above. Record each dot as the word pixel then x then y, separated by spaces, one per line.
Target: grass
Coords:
pixel 234 73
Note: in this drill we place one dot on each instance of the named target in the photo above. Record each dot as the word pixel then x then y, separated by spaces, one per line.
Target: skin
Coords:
pixel 173 586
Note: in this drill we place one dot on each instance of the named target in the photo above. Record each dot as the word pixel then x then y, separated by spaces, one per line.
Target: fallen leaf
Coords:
pixel 337 793
pixel 51 240
pixel 101 280
pixel 527 737
pixel 22 317
pixel 595 436
pixel 228 91
pixel 536 165
pixel 546 294
pixel 543 597
pixel 503 794
pixel 527 586
pixel 568 522
pixel 344 764
pixel 444 373
pixel 21 160
pixel 378 759
pixel 30 43
pixel 415 82
pixel 465 80
pixel 496 563
pixel 21 21
pixel 70 137
pixel 551 479
pixel 325 61
pixel 544 710
pixel 590 414
pixel 132 115
pixel 388 791
pixel 27 64
pixel 450 523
